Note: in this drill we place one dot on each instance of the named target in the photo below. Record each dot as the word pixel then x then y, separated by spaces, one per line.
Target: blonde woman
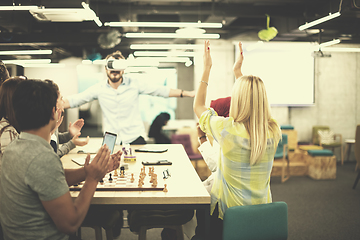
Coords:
pixel 248 139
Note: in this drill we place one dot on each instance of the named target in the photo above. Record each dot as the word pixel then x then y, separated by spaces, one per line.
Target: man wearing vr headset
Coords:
pixel 119 100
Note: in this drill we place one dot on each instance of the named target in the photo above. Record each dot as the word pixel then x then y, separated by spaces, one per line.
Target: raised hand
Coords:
pixel 207 57
pixel 80 142
pixel 75 128
pixel 99 166
pixel 238 62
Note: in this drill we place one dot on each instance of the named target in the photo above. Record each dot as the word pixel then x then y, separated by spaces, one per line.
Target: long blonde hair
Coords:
pixel 249 105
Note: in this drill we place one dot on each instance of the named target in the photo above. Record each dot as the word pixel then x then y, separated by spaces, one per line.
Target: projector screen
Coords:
pixel 287 70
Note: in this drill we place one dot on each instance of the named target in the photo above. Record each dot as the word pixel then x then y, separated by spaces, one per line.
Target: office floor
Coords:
pixel 151 234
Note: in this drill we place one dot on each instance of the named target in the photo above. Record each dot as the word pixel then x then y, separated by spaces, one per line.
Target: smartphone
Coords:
pixel 109 139
pixel 158 162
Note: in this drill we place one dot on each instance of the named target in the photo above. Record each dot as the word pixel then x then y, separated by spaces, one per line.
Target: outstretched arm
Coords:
pixel 200 97
pixel 181 93
pixel 238 63
pixel 66 104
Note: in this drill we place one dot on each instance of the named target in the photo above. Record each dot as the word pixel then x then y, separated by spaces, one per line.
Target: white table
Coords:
pixel 185 189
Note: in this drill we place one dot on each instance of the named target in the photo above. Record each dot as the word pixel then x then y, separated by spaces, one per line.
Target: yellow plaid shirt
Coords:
pixel 236 183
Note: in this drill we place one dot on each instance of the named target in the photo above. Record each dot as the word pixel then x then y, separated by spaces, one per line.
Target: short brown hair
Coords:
pixel 117 55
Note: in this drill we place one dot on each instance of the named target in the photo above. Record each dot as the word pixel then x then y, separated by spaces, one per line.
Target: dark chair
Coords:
pixel 185 140
pixel 260 222
pixel 142 220
pixel 357 154
pixel 98 219
pixel 282 153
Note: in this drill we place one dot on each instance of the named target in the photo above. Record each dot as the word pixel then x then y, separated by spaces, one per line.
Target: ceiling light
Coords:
pixel 166 46
pixel 330 43
pixel 49 65
pixel 163 54
pixel 92 14
pixel 164 24
pixel 25 52
pixel 28 61
pixel 321 20
pixel 334 49
pixel 188 31
pixel 164 59
pixel 22 8
pixel 171 35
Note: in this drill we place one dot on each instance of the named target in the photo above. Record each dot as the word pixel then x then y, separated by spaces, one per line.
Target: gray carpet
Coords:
pixel 321 209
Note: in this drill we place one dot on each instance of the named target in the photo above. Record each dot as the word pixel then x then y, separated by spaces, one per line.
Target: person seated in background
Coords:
pixel 248 141
pixel 156 130
pixel 35 202
pixel 4 73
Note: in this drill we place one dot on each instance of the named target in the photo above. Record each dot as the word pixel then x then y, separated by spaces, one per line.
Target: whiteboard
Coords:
pixel 287 70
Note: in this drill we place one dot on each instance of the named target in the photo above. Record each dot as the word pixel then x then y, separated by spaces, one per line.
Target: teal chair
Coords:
pixel 282 153
pixel 256 222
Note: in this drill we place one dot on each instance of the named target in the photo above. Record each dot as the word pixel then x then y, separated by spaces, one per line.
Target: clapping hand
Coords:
pixel 114 161
pixel 99 166
pixel 80 142
pixel 75 128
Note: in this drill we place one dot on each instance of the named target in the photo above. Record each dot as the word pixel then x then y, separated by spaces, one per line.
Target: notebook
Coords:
pixel 109 139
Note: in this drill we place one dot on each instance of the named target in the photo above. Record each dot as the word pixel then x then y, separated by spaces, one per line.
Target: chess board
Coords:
pixel 128 182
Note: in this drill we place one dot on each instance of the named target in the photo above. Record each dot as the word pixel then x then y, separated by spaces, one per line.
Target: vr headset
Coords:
pixel 116 64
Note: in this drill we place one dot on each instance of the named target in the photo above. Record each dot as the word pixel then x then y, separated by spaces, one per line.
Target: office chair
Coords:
pixel 260 222
pixel 282 153
pixel 185 140
pixel 324 137
pixel 357 154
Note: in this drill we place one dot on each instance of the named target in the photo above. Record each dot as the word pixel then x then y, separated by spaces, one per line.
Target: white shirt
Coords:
pixel 120 107
pixel 210 155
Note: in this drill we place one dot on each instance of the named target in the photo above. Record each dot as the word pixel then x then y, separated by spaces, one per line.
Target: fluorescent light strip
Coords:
pixel 333 49
pixel 163 54
pixel 27 61
pixel 49 65
pixel 165 59
pixel 92 14
pixel 25 52
pixel 171 35
pixel 330 43
pixel 164 24
pixel 165 46
pixel 21 8
pixel 320 20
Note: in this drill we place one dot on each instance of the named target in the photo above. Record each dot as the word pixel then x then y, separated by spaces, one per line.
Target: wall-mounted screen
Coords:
pixel 287 70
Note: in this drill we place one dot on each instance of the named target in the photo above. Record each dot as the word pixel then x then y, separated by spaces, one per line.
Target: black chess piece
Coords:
pixel 110 178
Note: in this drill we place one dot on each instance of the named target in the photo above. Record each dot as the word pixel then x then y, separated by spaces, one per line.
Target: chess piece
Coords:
pixel 110 178
pixel 115 173
pixel 132 178
pixel 165 189
pixel 122 174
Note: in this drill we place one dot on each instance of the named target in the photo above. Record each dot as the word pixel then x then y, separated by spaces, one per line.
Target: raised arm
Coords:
pixel 238 63
pixel 200 97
